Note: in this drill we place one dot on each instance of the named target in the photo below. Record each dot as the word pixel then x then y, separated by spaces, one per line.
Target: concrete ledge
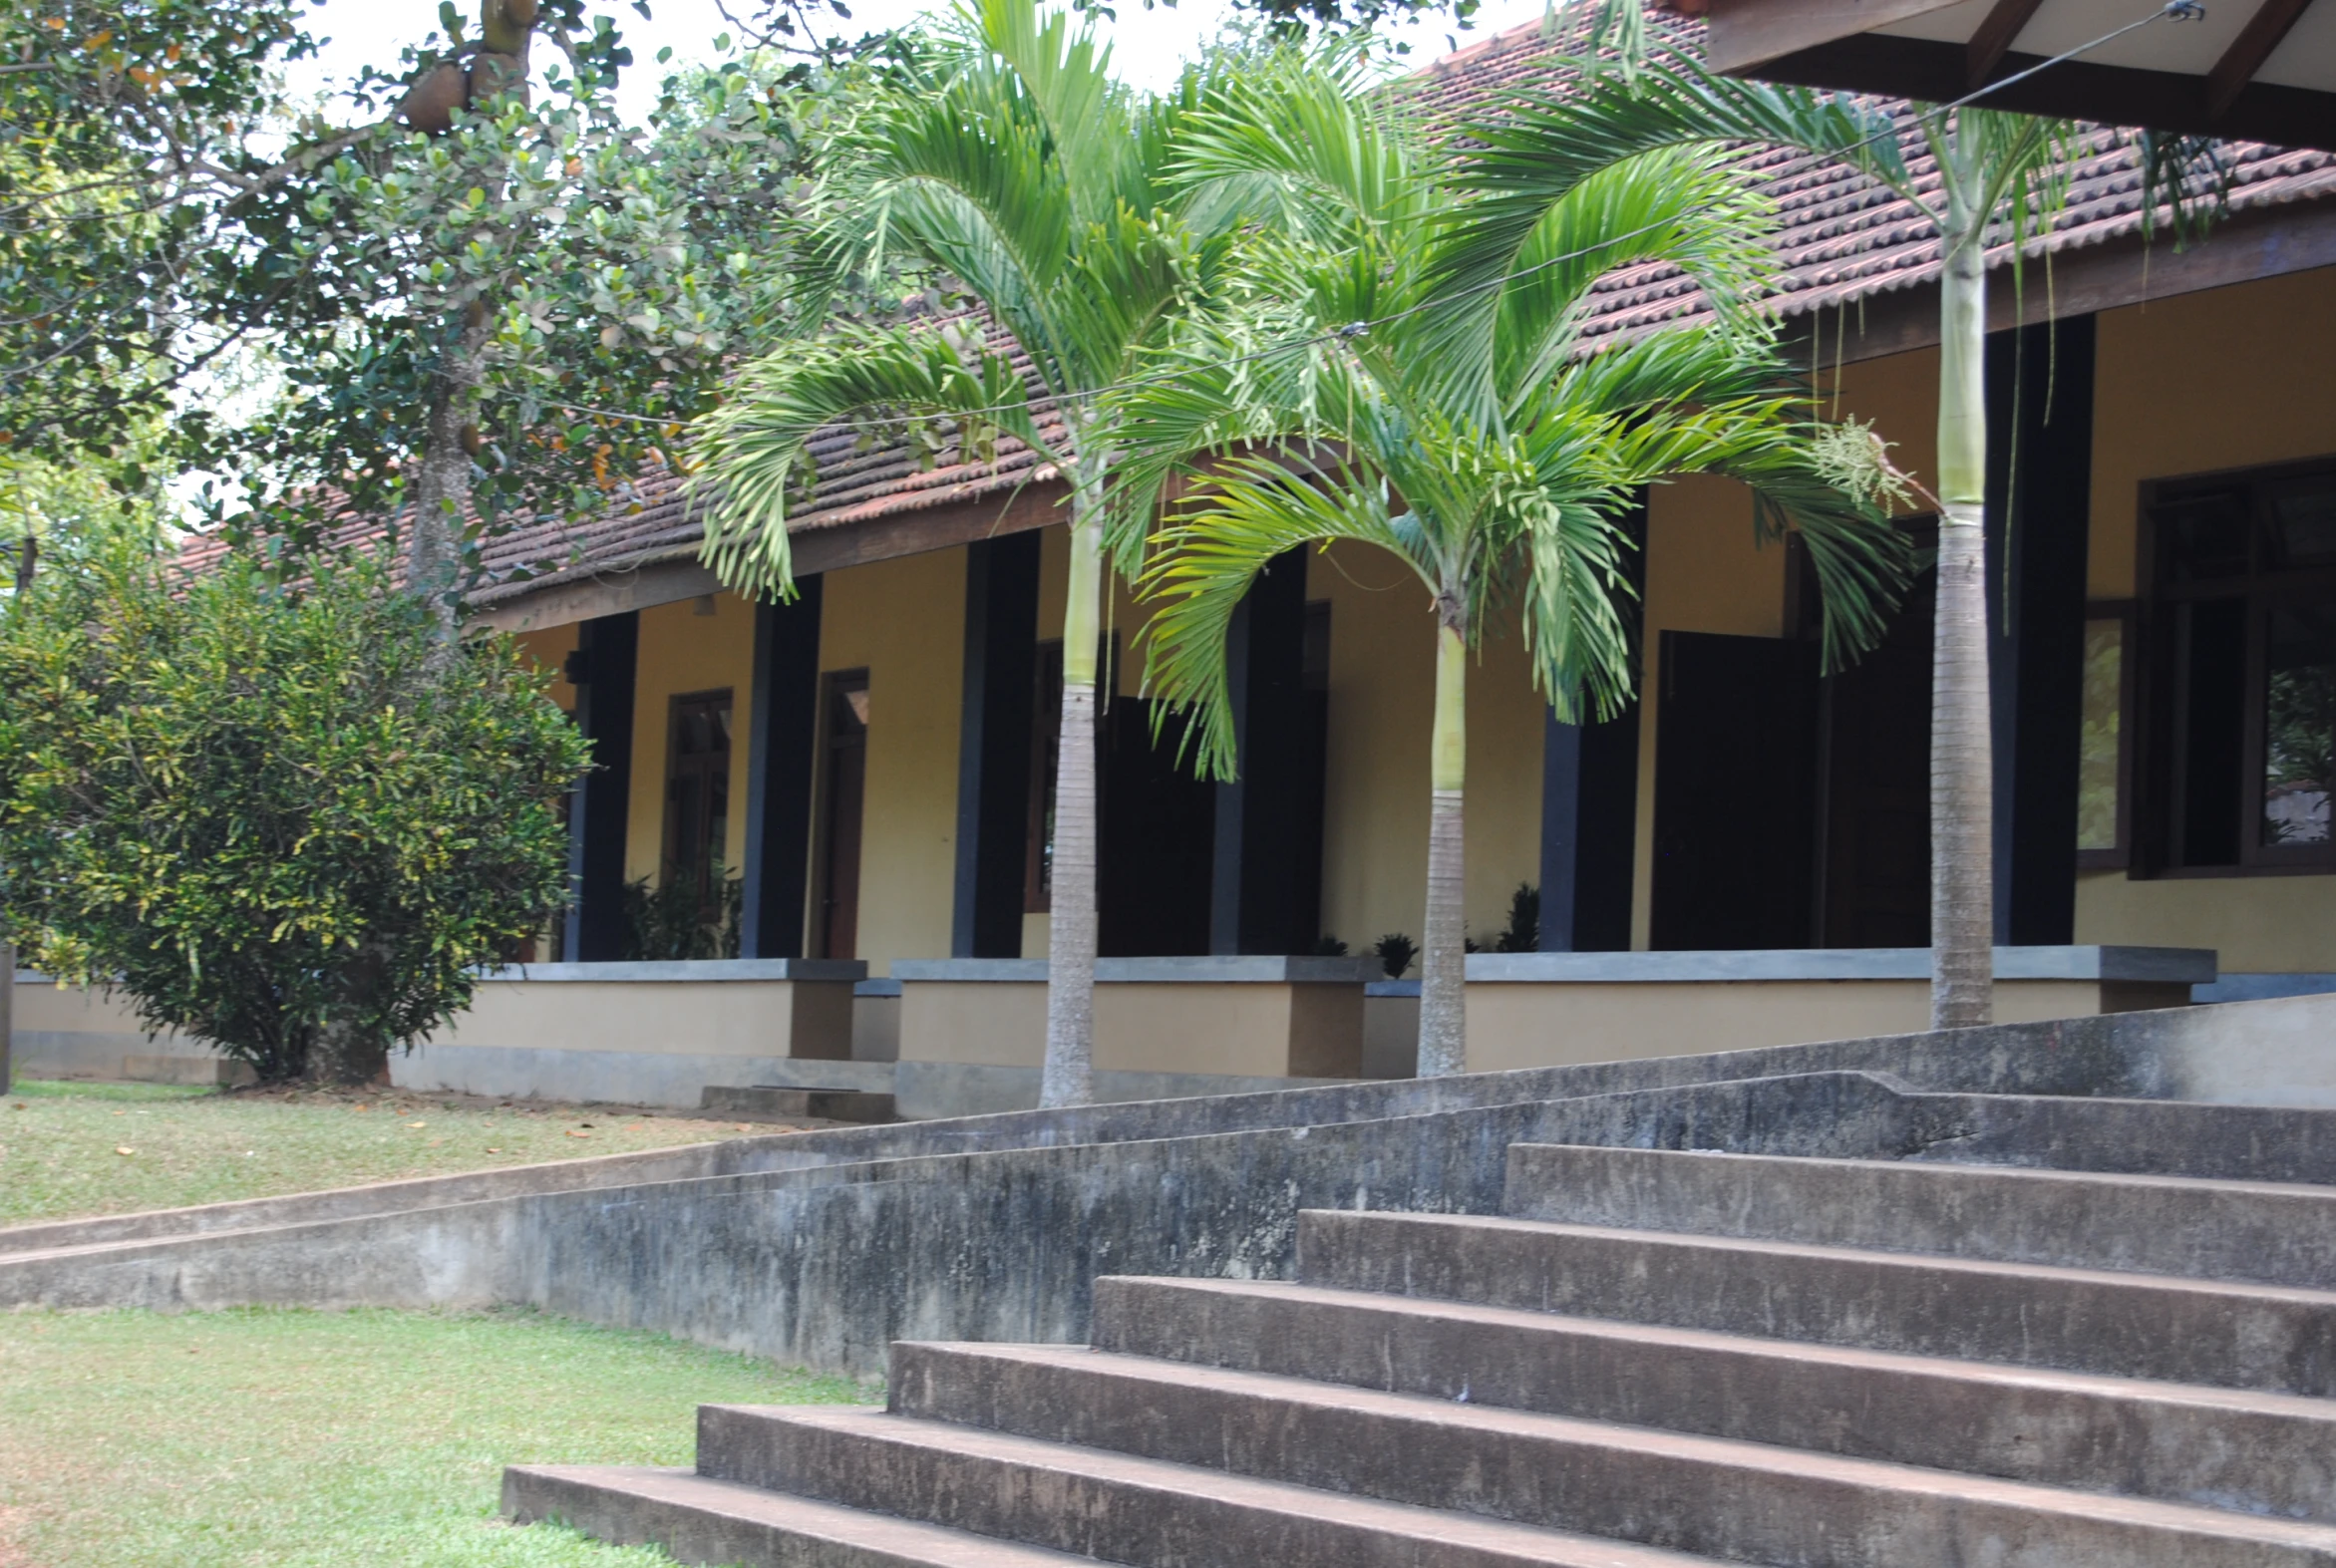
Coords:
pixel 1246 969
pixel 932 1090
pixel 189 1070
pixel 891 988
pixel 677 1079
pixel 697 969
pixel 2257 988
pixel 2157 964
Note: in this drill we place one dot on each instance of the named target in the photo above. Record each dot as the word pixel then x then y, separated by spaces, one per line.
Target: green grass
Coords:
pixel 307 1440
pixel 71 1148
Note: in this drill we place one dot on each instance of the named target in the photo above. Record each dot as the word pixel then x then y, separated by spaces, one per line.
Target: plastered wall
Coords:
pixel 1382 703
pixel 2230 378
pixel 903 621
pixel 695 645
pixel 548 650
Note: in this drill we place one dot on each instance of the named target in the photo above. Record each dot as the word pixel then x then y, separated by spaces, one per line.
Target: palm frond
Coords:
pixel 752 452
pixel 1251 510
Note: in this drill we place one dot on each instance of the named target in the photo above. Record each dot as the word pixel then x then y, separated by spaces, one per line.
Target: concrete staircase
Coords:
pixel 1651 1357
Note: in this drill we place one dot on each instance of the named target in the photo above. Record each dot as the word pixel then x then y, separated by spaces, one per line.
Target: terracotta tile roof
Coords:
pixel 1840 239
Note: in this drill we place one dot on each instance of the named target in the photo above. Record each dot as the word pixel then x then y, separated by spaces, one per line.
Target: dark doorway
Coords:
pixel 1158 840
pixel 1735 796
pixel 843 808
pixel 1873 872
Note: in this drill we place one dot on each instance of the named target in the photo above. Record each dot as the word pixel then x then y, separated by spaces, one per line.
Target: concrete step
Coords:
pixel 1752 1502
pixel 2232 1230
pixel 700 1520
pixel 2153 1138
pixel 2276 1339
pixel 2270 1454
pixel 833 1105
pixel 1120 1507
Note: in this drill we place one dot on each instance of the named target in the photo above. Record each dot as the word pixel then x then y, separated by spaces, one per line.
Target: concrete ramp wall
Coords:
pixel 820 1249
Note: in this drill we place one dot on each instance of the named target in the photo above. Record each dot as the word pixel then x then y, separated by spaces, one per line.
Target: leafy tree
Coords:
pixel 290 822
pixel 1474 439
pixel 1986 177
pixel 1044 189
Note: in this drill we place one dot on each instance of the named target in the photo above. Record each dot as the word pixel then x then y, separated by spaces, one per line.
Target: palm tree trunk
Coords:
pixel 1962 831
pixel 1444 940
pixel 1069 1076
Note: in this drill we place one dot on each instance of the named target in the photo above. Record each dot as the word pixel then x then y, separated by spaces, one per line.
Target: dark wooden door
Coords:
pixel 1875 877
pixel 845 809
pixel 1158 840
pixel 1734 792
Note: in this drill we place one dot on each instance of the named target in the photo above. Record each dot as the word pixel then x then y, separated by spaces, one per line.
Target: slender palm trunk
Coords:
pixel 1444 941
pixel 1069 1077
pixel 1962 831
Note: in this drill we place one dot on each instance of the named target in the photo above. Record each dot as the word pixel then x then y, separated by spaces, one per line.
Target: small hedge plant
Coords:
pixel 287 821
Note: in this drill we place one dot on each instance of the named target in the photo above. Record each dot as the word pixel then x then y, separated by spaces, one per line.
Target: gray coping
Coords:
pixel 1246 969
pixel 877 988
pixel 688 969
pixel 2169 965
pixel 1392 988
pixel 2259 986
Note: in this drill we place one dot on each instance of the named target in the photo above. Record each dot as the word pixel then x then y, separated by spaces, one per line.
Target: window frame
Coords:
pixel 2258 589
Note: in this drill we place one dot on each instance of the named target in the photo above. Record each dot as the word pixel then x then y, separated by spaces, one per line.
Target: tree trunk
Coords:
pixel 1069 1079
pixel 1444 938
pixel 1962 831
pixel 7 1013
pixel 441 490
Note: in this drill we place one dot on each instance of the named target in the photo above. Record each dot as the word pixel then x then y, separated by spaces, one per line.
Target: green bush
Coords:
pixel 287 821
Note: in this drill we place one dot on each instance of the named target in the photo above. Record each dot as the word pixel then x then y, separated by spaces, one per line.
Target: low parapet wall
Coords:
pixel 821 1248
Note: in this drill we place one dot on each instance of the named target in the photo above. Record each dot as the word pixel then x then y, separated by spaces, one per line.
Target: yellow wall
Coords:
pixel 1704 572
pixel 1382 699
pixel 549 649
pixel 684 650
pixel 903 621
pixel 2226 379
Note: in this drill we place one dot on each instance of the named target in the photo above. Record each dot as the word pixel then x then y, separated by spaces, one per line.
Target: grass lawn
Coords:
pixel 73 1148
pixel 131 1439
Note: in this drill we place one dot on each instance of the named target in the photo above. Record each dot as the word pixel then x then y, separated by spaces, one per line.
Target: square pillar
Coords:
pixel 1264 886
pixel 2039 503
pixel 601 669
pixel 783 746
pixel 994 745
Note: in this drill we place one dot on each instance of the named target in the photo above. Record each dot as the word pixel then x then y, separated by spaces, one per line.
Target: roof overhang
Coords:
pixel 2252 70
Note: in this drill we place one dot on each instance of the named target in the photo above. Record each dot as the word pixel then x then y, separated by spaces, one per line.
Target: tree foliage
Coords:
pixel 286 821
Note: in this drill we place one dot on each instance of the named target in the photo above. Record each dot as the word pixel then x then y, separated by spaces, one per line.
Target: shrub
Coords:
pixel 1396 952
pixel 287 821
pixel 668 922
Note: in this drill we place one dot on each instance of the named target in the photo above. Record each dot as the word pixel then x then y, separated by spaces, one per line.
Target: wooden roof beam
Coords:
pixel 2248 52
pixel 1992 39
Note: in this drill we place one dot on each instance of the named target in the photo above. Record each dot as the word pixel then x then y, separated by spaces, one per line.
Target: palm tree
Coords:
pixel 1987 176
pixel 1475 440
pixel 1020 170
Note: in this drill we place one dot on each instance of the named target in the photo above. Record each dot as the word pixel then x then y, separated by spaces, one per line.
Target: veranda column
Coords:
pixel 782 741
pixel 602 670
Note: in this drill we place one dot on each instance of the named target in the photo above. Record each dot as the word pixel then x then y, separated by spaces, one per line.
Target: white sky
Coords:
pixel 1149 46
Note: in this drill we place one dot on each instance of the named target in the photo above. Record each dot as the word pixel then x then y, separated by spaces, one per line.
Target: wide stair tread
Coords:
pixel 699 1519
pixel 1340 1436
pixel 1183 1514
pixel 2114 1322
pixel 2267 1232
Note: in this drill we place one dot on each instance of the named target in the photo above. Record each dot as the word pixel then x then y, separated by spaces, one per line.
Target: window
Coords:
pixel 697 796
pixel 2244 670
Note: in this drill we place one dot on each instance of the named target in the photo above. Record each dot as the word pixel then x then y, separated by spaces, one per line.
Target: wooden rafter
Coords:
pixel 1992 39
pixel 2248 51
